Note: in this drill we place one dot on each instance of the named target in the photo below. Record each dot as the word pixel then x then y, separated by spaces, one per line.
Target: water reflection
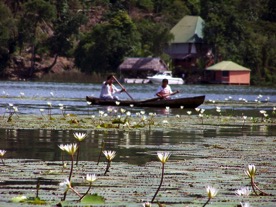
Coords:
pixel 134 147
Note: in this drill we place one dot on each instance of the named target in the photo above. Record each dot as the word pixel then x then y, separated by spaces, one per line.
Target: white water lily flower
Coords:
pixel 131 105
pixel 109 154
pixel 200 115
pixel 52 94
pixel 202 111
pixel 213 101
pixel 70 148
pixel 262 111
pixel 49 104
pixel 165 122
pixel 167 108
pixel 61 146
pixel 181 107
pixel 88 102
pixel 142 112
pixel 251 171
pixel 10 104
pixel 244 191
pixel 197 109
pixel 65 185
pixel 79 136
pixel 265 115
pixel 22 94
pixel 91 178
pixel 15 109
pixel 101 113
pixel 117 103
pixel 177 116
pixel 2 153
pixel 274 108
pixel 128 113
pixel 147 204
pixel 163 156
pixel 105 115
pixel 60 104
pixel 122 110
pixel 93 116
pixel 245 204
pixel 211 192
pixel 244 117
pixel 189 112
pixel 41 110
pixel 118 116
pixel 109 110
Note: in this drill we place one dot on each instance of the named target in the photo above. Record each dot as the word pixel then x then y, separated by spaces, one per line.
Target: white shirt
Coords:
pixel 107 91
pixel 164 91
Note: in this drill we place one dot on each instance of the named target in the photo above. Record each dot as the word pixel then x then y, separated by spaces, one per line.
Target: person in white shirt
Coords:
pixel 108 89
pixel 164 91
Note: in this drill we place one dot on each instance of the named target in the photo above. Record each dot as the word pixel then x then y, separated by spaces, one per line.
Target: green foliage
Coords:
pixel 155 37
pixel 238 30
pixel 107 44
pixel 93 199
pixel 7 38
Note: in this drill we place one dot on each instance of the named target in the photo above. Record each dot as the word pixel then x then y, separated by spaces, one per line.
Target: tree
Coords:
pixel 107 44
pixel 155 38
pixel 7 35
pixel 66 28
pixel 36 14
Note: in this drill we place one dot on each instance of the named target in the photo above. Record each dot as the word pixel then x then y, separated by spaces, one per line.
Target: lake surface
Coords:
pixel 29 97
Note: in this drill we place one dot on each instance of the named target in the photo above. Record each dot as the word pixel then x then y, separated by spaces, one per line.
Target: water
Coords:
pixel 134 147
pixel 72 95
pixel 131 146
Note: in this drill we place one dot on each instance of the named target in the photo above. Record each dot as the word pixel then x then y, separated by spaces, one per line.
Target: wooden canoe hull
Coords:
pixel 190 102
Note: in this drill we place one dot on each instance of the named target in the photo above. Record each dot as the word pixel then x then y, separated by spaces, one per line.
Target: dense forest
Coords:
pixel 96 35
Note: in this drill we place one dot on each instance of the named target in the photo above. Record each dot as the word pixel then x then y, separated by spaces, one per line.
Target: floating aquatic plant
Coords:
pixel 80 137
pixel 109 155
pixel 11 110
pixel 71 150
pixel 2 153
pixel 211 192
pixel 163 157
pixel 251 173
pixel 90 178
pixel 244 191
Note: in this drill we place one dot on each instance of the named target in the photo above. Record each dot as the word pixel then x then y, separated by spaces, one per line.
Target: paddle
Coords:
pixel 122 87
pixel 158 98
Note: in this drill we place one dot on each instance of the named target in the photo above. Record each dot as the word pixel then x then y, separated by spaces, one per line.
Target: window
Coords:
pixel 225 73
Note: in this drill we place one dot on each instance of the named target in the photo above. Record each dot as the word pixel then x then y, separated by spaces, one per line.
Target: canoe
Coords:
pixel 189 102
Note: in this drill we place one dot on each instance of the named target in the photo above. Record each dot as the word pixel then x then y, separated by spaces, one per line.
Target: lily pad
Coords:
pixel 92 199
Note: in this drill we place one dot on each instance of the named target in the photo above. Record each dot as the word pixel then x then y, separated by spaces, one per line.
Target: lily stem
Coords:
pixel 100 154
pixel 264 193
pixel 107 167
pixel 70 175
pixel 76 192
pixel 161 181
pixel 78 152
pixel 90 186
pixel 253 185
pixel 206 202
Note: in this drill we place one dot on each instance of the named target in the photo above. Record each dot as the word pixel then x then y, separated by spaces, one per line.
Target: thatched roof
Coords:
pixel 154 64
pixel 227 66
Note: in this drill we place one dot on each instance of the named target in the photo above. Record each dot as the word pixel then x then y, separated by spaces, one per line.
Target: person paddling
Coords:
pixel 164 91
pixel 108 89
